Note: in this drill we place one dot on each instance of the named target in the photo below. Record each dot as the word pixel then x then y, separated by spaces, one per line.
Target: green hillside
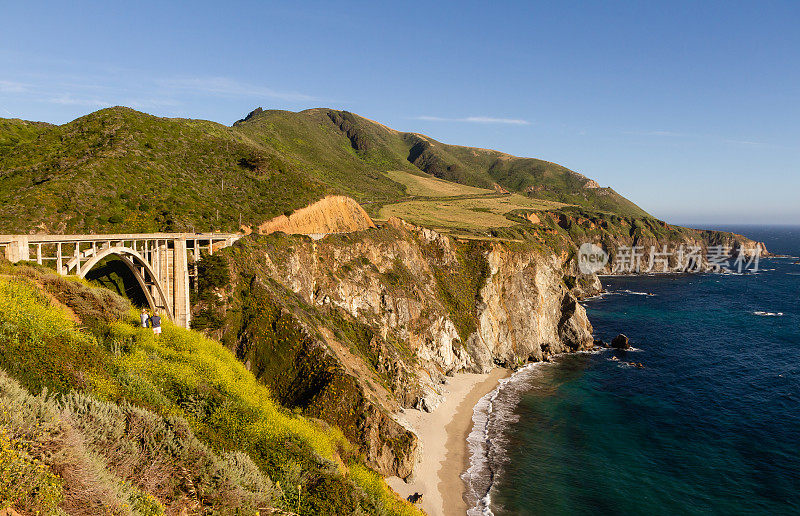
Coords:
pixel 121 170
pixel 382 149
pixel 99 416
pixel 118 169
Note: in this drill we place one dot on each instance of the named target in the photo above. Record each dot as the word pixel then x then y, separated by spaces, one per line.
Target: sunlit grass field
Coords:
pixel 429 186
pixel 470 213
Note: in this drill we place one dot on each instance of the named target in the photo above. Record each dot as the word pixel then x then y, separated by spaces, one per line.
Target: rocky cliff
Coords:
pixel 525 311
pixel 353 327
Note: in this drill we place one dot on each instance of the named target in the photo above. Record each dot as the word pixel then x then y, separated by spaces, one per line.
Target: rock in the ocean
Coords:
pixel 620 342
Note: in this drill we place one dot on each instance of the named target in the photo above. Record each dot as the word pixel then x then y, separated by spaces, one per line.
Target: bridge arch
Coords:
pixel 132 259
pixel 159 262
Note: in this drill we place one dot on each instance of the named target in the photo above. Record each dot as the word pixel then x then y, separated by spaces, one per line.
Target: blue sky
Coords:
pixel 689 109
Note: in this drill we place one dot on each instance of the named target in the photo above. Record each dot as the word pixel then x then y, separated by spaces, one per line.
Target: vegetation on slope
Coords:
pixel 283 340
pixel 533 177
pixel 381 149
pixel 564 230
pixel 209 431
pixel 463 215
pixel 119 170
pixel 429 186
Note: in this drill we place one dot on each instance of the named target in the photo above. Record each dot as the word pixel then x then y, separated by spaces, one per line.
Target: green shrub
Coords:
pixel 40 345
pixel 212 272
pixel 26 483
pixel 384 500
pixel 162 456
pixel 41 435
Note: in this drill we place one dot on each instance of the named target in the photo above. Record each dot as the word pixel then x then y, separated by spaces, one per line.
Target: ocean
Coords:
pixel 709 425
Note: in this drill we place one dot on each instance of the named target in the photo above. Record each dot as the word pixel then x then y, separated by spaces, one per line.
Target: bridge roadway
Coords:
pixel 162 263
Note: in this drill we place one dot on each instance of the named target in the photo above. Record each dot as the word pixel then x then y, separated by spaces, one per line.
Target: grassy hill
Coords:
pixel 317 134
pixel 101 417
pixel 118 169
pixel 121 170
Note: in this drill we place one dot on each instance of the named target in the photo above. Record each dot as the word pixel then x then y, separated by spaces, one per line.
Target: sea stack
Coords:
pixel 620 342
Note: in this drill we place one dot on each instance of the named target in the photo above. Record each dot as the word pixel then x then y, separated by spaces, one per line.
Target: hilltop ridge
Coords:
pixel 118 169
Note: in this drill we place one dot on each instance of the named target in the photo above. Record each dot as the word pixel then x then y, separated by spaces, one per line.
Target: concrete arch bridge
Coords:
pixel 162 263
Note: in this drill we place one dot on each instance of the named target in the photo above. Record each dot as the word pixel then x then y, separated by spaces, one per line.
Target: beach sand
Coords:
pixel 443 434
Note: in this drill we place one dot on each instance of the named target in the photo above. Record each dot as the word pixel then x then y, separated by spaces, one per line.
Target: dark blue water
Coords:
pixel 711 425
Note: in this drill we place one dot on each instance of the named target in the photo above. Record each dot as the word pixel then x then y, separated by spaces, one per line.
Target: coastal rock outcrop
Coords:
pixel 643 245
pixel 620 342
pixel 525 312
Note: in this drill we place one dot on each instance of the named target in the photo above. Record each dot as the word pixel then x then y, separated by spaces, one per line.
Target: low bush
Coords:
pixel 67 474
pixel 25 481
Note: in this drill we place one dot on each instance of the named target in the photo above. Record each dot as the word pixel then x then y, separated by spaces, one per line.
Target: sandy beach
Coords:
pixel 443 434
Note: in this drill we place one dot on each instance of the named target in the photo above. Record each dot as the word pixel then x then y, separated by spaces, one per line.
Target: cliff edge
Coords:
pixel 332 214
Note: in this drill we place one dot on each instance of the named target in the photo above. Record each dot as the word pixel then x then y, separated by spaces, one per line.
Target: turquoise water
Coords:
pixel 711 425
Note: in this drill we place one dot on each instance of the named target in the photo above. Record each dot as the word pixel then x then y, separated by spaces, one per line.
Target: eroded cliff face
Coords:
pixel 380 317
pixel 525 310
pixel 331 214
pixel 417 286
pixel 388 280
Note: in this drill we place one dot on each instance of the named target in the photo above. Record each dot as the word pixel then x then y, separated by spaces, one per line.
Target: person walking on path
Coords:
pixel 144 316
pixel 155 323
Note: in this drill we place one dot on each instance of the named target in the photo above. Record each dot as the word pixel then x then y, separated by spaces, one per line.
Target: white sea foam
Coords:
pixel 479 477
pixel 634 293
pixel 601 295
pixel 618 293
pixel 486 442
pixel 595 297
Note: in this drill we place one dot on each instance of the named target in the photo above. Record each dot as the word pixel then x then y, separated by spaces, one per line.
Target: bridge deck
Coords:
pixel 33 239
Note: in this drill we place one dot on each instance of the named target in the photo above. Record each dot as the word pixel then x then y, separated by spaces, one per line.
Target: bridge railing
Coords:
pixel 48 248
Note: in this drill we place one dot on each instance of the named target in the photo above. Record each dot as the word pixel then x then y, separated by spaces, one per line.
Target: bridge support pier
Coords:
pixel 182 309
pixel 18 249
